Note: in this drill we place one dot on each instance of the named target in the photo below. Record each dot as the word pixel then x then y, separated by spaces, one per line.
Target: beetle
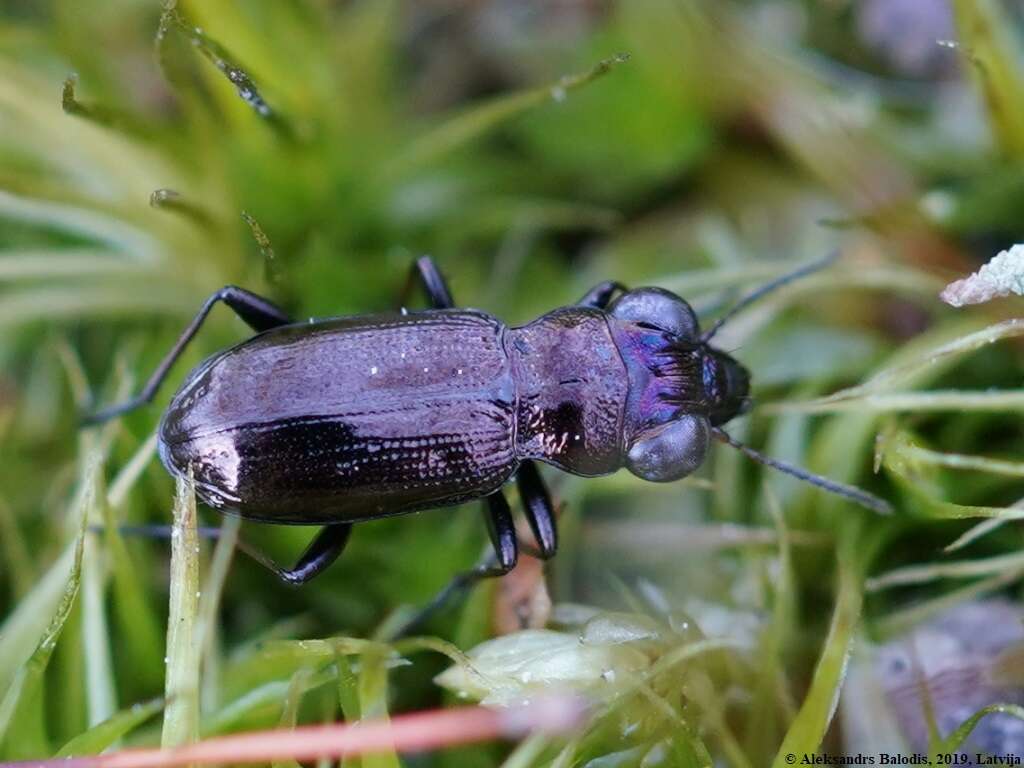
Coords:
pixel 342 420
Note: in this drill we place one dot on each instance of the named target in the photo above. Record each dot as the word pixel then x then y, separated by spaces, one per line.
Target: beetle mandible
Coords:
pixel 348 419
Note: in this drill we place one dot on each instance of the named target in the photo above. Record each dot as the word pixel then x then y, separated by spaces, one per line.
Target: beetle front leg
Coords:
pixel 257 312
pixel 601 294
pixel 430 278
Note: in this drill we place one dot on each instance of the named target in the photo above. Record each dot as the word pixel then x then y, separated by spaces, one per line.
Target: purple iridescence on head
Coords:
pixel 670 377
pixel 664 376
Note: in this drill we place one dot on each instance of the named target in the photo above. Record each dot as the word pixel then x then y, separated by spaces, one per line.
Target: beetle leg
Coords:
pixel 503 537
pixel 321 552
pixel 540 512
pixel 601 294
pixel 257 312
pixel 430 278
pixel 497 563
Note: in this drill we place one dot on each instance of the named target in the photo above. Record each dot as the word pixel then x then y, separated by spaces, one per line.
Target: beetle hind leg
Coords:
pixel 323 550
pixel 257 312
pixel 503 559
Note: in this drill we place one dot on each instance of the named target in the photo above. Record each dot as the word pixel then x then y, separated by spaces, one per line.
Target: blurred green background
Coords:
pixel 514 143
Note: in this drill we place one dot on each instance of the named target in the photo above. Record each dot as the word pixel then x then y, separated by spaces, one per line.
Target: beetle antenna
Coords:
pixel 750 298
pixel 857 495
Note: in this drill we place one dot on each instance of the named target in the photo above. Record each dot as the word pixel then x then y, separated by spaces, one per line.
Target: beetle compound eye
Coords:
pixel 670 451
pixel 658 308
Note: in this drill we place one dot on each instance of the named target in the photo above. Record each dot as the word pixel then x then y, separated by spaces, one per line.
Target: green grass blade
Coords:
pixel 181 718
pixel 110 731
pixel 955 740
pixel 124 237
pixel 348 697
pixel 99 668
pixel 807 731
pixel 920 455
pixel 478 120
pixel 959 569
pixel 975 532
pixel 904 620
pixel 290 711
pixel 133 611
pixel 901 458
pixel 986 38
pixel 257 702
pixel 30 620
pixel 209 610
pixel 56 302
pixel 225 63
pixel 16 563
pixel 373 701
pixel 926 359
pixel 953 400
pixel 20 711
pixel 63 263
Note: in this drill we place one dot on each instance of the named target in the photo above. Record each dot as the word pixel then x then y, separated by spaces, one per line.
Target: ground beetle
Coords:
pixel 342 420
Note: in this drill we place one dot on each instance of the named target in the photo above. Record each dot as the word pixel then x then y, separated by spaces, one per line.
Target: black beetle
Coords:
pixel 349 419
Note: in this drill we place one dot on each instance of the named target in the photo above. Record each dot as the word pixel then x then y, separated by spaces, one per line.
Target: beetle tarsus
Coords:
pixel 258 313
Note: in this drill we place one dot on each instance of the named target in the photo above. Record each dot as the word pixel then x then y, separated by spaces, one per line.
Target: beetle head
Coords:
pixel 680 386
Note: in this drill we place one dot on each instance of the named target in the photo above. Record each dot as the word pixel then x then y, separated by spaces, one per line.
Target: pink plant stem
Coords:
pixel 415 732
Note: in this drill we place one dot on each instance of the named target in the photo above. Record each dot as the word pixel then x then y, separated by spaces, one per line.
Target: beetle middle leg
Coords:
pixel 259 313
